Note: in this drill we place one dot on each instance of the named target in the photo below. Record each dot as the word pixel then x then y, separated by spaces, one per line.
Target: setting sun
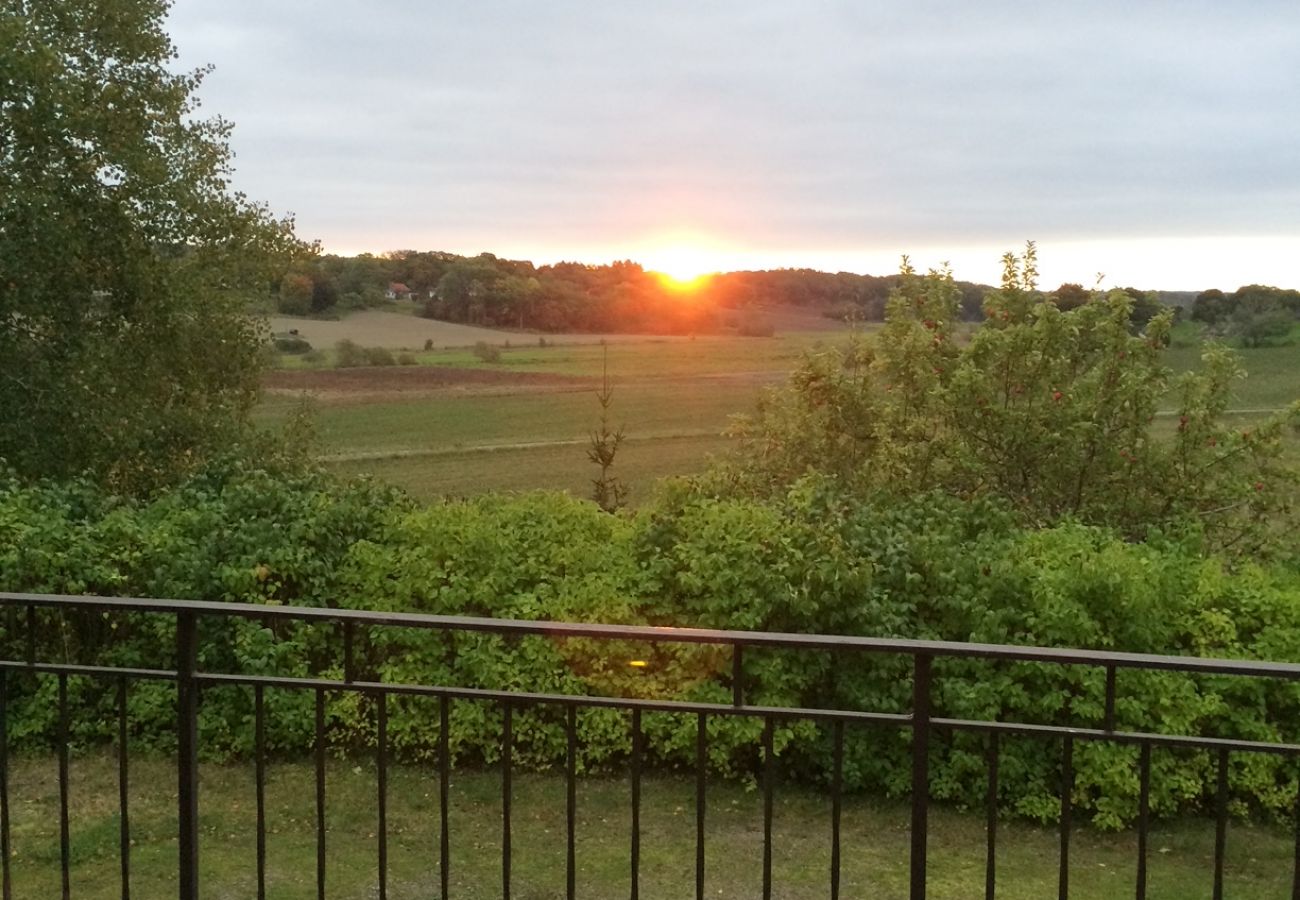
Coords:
pixel 682 284
pixel 681 266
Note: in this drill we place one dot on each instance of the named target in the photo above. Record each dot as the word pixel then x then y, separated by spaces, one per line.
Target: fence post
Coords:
pixel 920 771
pixel 187 761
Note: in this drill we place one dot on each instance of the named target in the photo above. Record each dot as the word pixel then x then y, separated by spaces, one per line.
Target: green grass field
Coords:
pixel 875 840
pixel 674 398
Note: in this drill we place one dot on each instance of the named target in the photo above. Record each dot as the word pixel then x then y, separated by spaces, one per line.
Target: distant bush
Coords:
pixel 406 359
pixel 313 357
pixel 380 356
pixel 428 343
pixel 486 352
pixel 291 343
pixel 349 354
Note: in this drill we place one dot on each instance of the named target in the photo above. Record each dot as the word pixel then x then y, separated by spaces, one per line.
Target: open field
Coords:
pixel 875 840
pixel 377 328
pixel 397 328
pixel 455 425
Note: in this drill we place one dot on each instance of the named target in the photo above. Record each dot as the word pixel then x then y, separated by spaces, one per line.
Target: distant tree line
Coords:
pixel 568 296
pixel 623 296
pixel 1256 314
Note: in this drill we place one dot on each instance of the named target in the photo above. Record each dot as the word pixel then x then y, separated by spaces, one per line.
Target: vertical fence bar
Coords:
pixel 769 776
pixel 65 844
pixel 507 742
pixel 571 803
pixel 636 804
pixel 123 785
pixel 701 773
pixel 1220 823
pixel 381 740
pixel 444 775
pixel 259 783
pixel 320 794
pixel 6 877
pixel 1067 813
pixel 31 635
pixel 737 674
pixel 349 670
pixel 920 772
pixel 1109 723
pixel 837 791
pixel 1295 876
pixel 187 754
pixel 1144 814
pixel 991 823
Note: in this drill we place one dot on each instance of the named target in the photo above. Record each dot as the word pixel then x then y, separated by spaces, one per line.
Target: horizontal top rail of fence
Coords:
pixel 667 634
pixel 919 720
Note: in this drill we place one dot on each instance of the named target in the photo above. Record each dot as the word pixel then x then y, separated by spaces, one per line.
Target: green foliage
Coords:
pixel 1261 329
pixel 1257 315
pixel 295 297
pixel 125 348
pixel 488 353
pixel 348 354
pixel 1050 411
pixel 608 490
pixel 291 343
pixel 380 356
pixel 814 559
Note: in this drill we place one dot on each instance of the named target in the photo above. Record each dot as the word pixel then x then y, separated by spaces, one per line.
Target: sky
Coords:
pixel 1152 144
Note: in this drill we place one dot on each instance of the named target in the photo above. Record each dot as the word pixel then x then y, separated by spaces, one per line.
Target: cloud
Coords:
pixel 783 125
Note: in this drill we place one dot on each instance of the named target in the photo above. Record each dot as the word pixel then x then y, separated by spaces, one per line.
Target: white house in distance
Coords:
pixel 398 291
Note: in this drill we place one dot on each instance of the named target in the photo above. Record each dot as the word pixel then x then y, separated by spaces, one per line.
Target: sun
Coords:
pixel 681 268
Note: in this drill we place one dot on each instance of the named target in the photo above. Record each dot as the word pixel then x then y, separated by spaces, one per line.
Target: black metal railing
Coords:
pixel 920 721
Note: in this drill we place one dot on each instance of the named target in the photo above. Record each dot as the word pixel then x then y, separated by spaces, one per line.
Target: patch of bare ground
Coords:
pixel 397 382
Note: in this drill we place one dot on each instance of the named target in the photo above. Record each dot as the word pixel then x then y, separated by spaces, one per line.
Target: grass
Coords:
pixel 875 840
pixel 562 467
pixel 675 397
pixel 627 356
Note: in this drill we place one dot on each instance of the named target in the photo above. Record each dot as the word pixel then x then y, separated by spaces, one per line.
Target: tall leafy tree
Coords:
pixel 126 260
pixel 1056 414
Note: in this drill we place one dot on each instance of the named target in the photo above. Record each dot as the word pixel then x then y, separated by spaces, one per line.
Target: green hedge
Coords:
pixel 811 561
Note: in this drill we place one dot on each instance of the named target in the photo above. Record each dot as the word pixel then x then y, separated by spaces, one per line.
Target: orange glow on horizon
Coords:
pixel 684 263
pixel 682 285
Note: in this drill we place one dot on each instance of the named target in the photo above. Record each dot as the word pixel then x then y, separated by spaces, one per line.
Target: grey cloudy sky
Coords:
pixel 1156 141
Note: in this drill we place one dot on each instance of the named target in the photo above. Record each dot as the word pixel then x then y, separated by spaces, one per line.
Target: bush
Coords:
pixel 349 354
pixel 486 352
pixel 428 343
pixel 813 561
pixel 380 356
pixel 1048 411
pixel 291 343
pixel 406 359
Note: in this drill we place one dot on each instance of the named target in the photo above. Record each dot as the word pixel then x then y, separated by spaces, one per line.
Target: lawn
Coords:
pixel 674 398
pixel 875 840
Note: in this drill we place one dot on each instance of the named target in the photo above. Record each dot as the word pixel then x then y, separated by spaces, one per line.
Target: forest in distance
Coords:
pixel 624 296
